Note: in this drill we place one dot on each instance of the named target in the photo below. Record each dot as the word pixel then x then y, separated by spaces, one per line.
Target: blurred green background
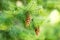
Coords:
pixel 44 13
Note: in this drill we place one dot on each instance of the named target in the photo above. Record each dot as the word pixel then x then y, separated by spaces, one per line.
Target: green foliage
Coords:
pixel 12 20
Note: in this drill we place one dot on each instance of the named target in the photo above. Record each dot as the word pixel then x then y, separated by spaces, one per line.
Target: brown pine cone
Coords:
pixel 28 19
pixel 37 31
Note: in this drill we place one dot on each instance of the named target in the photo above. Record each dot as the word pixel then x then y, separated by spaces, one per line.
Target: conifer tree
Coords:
pixel 29 19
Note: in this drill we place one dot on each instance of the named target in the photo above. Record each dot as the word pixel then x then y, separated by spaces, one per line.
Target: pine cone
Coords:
pixel 28 19
pixel 37 31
